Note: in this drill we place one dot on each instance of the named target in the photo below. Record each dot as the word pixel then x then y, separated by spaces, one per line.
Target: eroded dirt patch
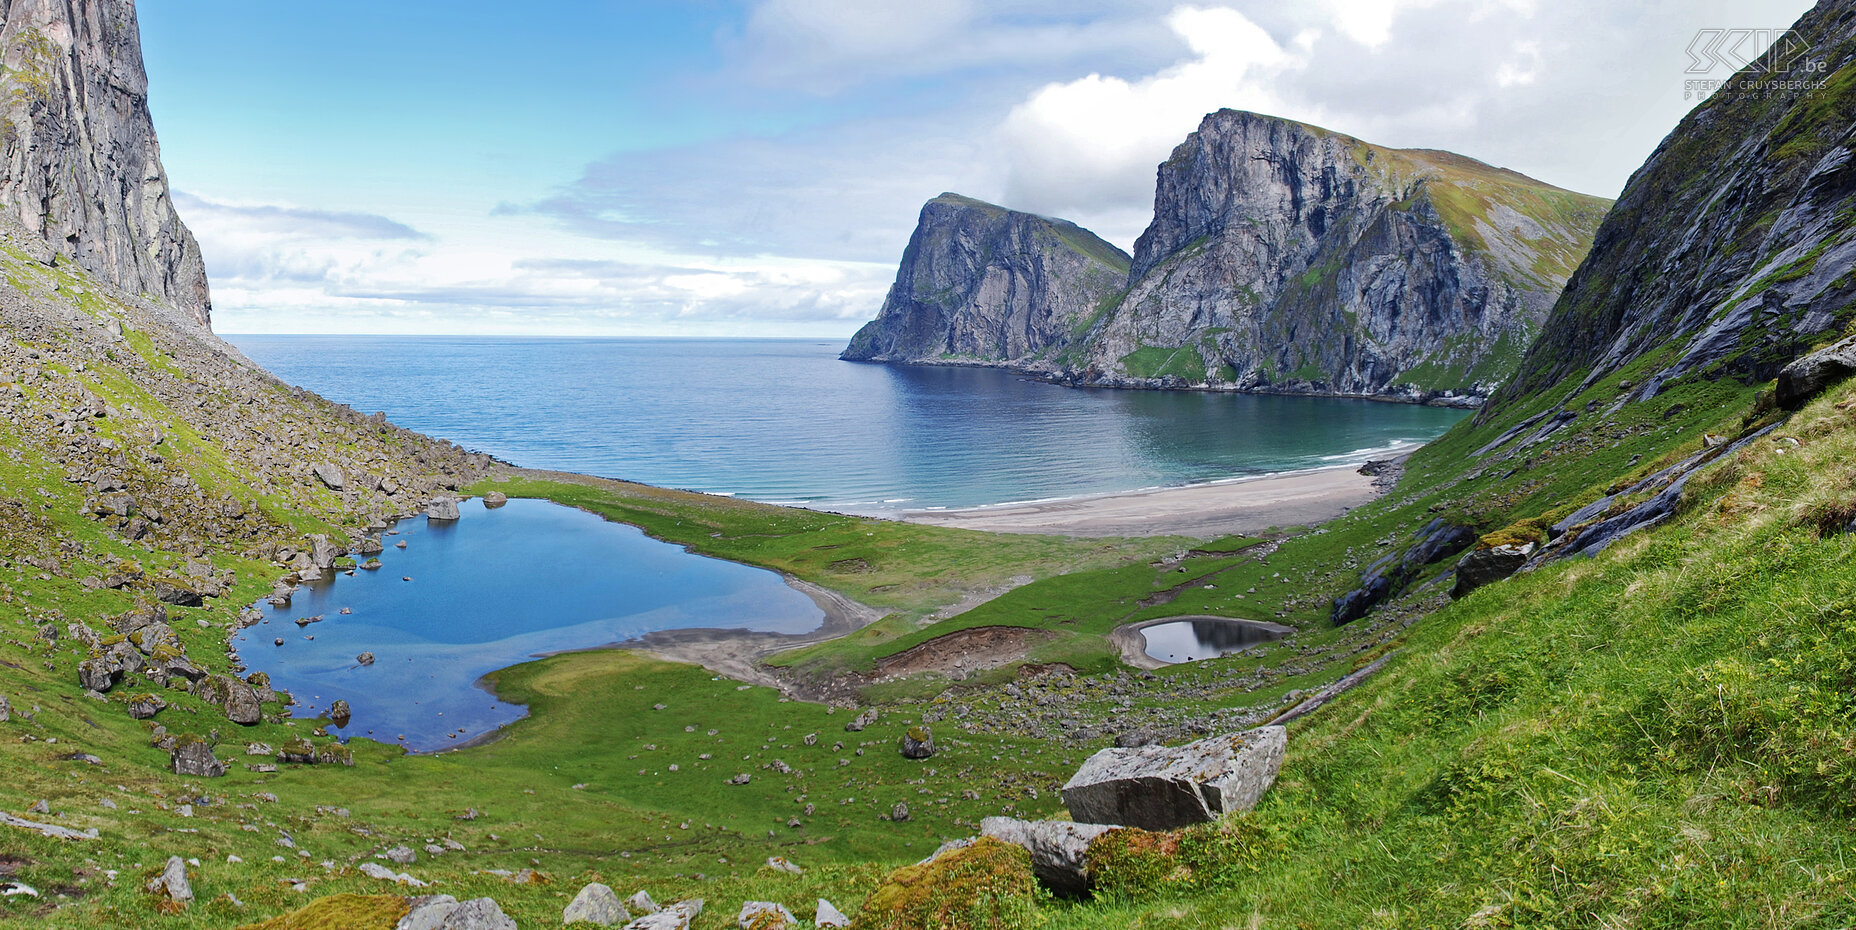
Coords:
pixel 975 649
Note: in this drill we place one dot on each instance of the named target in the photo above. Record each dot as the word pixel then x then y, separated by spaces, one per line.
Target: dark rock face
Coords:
pixel 980 284
pixel 1803 379
pixel 1287 258
pixel 79 164
pixel 1733 244
pixel 1434 542
pixel 1487 566
pixel 1162 788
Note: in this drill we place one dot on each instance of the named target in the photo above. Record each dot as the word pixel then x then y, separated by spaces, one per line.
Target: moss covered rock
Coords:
pixel 985 884
pixel 341 912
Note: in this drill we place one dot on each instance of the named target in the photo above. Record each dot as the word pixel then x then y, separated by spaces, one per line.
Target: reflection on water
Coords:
pixel 496 588
pixel 1190 640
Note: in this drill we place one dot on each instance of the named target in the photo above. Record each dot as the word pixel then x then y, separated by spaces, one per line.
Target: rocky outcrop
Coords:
pixel 1058 848
pixel 1282 258
pixel 1165 788
pixel 1487 566
pixel 79 164
pixel 1803 379
pixel 980 284
pixel 1731 251
pixel 1287 258
pixel 1432 543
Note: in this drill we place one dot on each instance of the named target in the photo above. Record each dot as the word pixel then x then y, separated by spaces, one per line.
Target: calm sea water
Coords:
pixel 785 421
pixel 491 590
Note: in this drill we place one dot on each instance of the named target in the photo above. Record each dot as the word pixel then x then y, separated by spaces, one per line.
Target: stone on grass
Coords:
pixel 427 912
pixel 765 915
pixel 596 904
pixel 144 706
pixel 402 855
pixel 376 870
pixel 1165 788
pixel 917 743
pixel 1804 378
pixel 829 915
pixel 192 756
pixel 673 917
pixel 641 903
pixel 172 882
pixel 862 720
pixel 1057 848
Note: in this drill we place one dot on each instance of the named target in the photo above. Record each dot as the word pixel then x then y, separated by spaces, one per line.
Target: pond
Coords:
pixel 496 588
pixel 1189 639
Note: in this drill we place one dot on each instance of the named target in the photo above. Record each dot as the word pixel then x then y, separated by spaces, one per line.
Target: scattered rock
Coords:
pixel 172 882
pixel 1487 566
pixel 674 917
pixel 144 706
pixel 495 499
pixel 192 756
pixel 340 713
pixel 765 915
pixel 741 779
pixel 376 870
pixel 829 915
pixel 596 904
pixel 899 813
pixel 862 720
pixel 365 658
pixel 1162 788
pixel 783 864
pixel 178 596
pixel 917 743
pixel 46 829
pixel 441 509
pixel 1057 848
pixel 641 903
pixel 402 855
pixel 330 476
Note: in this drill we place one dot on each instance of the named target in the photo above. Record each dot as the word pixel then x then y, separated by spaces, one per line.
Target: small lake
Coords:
pixel 1189 640
pixel 499 587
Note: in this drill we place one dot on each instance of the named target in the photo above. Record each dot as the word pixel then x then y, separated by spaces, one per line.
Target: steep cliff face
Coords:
pixel 980 284
pixel 1730 251
pixel 79 164
pixel 1287 258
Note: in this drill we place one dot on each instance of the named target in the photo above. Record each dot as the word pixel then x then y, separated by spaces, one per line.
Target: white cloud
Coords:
pixel 1089 146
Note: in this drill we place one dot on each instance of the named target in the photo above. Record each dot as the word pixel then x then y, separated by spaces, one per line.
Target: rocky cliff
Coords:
pixel 1281 258
pixel 1730 251
pixel 79 164
pixel 980 284
pixel 1287 258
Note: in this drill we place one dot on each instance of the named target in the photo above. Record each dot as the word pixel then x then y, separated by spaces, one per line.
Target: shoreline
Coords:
pixel 1209 510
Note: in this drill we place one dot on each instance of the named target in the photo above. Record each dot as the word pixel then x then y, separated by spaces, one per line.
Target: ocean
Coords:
pixel 784 421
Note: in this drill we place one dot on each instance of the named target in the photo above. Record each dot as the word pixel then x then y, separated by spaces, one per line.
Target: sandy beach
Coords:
pixel 1206 511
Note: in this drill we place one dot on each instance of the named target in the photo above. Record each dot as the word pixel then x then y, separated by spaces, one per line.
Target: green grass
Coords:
pixel 1161 362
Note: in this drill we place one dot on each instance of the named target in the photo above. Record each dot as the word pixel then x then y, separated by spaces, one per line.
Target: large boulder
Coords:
pixel 1165 788
pixel 323 552
pixel 1057 848
pixel 1487 566
pixel 1805 378
pixel 444 912
pixel 441 509
pixel 192 756
pixel 596 904
pixel 340 713
pixel 177 595
pixel 330 476
pixel 172 882
pixel 238 699
pixel 917 743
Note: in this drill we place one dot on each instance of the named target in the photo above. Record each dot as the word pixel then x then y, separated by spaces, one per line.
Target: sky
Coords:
pixel 749 168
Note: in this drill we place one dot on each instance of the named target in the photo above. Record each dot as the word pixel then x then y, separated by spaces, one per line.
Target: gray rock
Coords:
pixel 477 914
pixel 365 658
pixel 899 813
pixel 381 872
pixel 144 706
pixel 83 152
pixel 1162 788
pixel 340 713
pixel 194 757
pixel 172 882
pixel 1487 566
pixel 495 499
pixel 765 915
pixel 596 904
pixel 237 698
pixel 862 720
pixel 427 912
pixel 1057 848
pixel 98 674
pixel 441 509
pixel 641 903
pixel 1807 377
pixel 917 743
pixel 330 476
pixel 980 283
pixel 674 917
pixel 402 855
pixel 829 915
pixel 323 552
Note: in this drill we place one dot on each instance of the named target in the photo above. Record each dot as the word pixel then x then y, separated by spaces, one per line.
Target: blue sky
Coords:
pixel 751 168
